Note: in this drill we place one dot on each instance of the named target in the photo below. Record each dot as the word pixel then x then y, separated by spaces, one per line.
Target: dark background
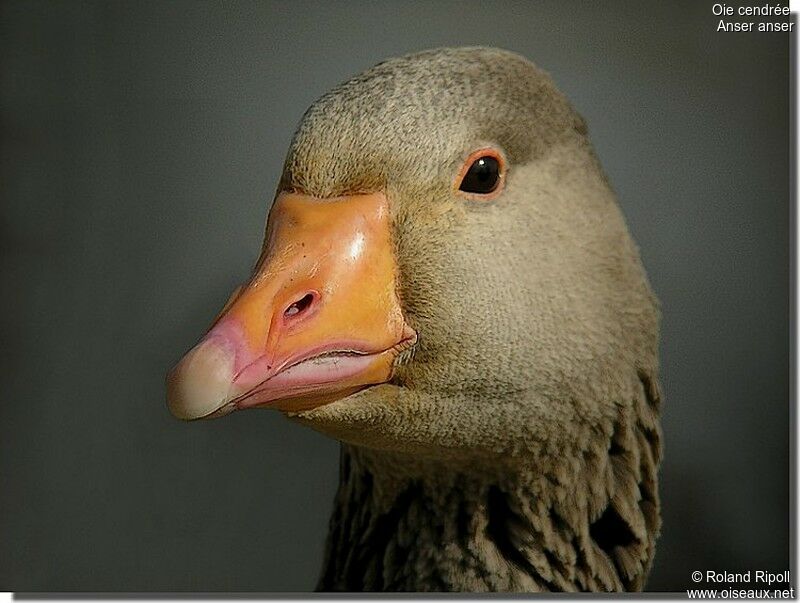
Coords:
pixel 141 144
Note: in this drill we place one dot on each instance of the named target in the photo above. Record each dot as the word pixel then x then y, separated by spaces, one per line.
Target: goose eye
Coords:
pixel 482 173
pixel 482 176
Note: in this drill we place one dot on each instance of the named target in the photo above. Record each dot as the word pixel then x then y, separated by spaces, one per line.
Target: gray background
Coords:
pixel 141 144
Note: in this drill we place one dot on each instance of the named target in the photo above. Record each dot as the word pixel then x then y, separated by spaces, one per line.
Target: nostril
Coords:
pixel 300 306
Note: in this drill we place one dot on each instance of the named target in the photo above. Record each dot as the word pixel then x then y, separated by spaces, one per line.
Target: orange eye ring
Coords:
pixel 477 171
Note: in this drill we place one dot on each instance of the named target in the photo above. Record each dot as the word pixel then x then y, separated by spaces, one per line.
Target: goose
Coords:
pixel 448 286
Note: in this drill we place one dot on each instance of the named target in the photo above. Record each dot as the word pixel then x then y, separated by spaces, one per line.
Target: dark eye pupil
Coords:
pixel 482 176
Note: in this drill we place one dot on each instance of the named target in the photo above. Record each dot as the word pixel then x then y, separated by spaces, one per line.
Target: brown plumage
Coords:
pixel 517 444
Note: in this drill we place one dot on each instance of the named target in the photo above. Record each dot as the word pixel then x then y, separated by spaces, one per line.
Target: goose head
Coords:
pixel 445 273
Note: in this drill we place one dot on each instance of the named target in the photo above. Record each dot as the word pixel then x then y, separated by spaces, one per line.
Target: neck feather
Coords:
pixel 587 520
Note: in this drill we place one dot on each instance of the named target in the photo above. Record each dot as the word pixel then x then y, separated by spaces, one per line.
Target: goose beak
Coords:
pixel 319 320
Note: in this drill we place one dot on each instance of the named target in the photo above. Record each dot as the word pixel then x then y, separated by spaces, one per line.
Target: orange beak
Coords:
pixel 319 320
